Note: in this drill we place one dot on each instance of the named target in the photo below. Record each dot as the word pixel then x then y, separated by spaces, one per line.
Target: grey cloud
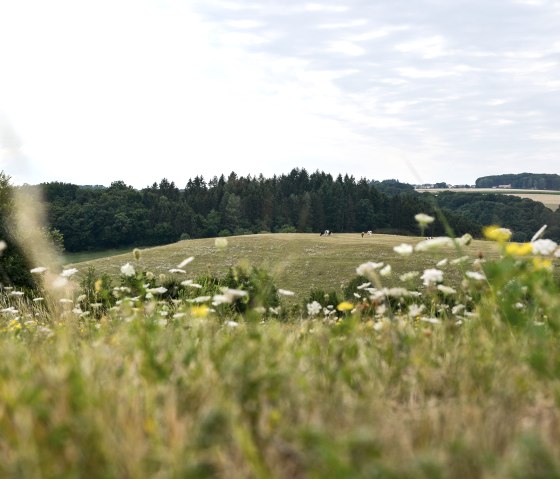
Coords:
pixel 431 67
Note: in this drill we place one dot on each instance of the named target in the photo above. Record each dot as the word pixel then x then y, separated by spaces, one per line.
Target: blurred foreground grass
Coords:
pixel 133 397
pixel 425 381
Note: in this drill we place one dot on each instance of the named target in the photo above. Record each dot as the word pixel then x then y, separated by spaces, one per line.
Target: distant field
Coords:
pixel 551 199
pixel 298 262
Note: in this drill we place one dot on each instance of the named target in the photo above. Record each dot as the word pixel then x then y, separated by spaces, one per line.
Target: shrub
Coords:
pixel 287 229
pixel 262 293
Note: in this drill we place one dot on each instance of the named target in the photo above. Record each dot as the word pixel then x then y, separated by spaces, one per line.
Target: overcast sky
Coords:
pixel 418 90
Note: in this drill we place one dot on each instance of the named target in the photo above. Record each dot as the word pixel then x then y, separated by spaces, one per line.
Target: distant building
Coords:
pixel 504 187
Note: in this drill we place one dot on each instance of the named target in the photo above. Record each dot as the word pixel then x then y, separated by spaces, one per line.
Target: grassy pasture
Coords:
pixel 298 262
pixel 551 199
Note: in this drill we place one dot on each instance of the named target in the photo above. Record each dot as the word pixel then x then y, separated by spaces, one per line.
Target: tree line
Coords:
pixel 522 215
pixel 529 181
pixel 92 218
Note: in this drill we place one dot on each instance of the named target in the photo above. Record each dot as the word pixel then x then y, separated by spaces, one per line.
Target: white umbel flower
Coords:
pixel 432 276
pixel 314 308
pixel 68 272
pixel 367 269
pixel 434 244
pixel 424 219
pixel 38 270
pixel 475 275
pixel 403 249
pixel 128 270
pixel 544 247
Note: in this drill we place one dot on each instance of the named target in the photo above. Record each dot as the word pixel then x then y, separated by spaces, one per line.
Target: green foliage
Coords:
pixel 530 181
pixel 287 229
pixel 14 266
pixel 262 293
pixel 521 215
pixel 106 218
pixel 55 238
pixel 393 187
pixel 328 300
pixel 352 286
pixel 96 290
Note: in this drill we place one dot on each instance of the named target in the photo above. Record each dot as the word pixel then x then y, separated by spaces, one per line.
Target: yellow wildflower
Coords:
pixel 200 311
pixel 519 249
pixel 98 285
pixel 496 233
pixel 540 263
pixel 14 325
pixel 149 425
pixel 345 306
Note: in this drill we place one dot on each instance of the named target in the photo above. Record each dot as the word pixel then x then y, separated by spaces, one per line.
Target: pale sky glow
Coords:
pixel 138 90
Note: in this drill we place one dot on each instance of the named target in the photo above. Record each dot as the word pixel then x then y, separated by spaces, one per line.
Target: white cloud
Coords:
pixel 432 47
pixel 138 90
pixel 349 24
pixel 347 48
pixel 321 7
pixel 246 24
pixel 378 33
pixel 547 136
pixel 498 101
pixel 417 73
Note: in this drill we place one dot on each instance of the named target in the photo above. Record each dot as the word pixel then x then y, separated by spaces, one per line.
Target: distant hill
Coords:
pixel 529 181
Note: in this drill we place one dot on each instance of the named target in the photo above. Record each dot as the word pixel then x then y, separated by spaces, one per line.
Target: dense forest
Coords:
pixel 530 181
pixel 100 218
pixel 523 216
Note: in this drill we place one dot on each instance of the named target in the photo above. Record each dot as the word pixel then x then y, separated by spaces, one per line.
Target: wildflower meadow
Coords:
pixel 173 375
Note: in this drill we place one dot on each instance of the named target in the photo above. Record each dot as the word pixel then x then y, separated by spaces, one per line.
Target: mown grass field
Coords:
pixel 298 262
pixel 551 199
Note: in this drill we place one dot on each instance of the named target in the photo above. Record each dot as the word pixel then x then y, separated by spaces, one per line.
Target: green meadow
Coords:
pixel 298 262
pixel 449 372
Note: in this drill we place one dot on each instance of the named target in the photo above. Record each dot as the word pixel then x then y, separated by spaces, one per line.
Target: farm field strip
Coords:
pixel 551 199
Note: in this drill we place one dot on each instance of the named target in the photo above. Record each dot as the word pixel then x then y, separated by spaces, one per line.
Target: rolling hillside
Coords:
pixel 298 262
